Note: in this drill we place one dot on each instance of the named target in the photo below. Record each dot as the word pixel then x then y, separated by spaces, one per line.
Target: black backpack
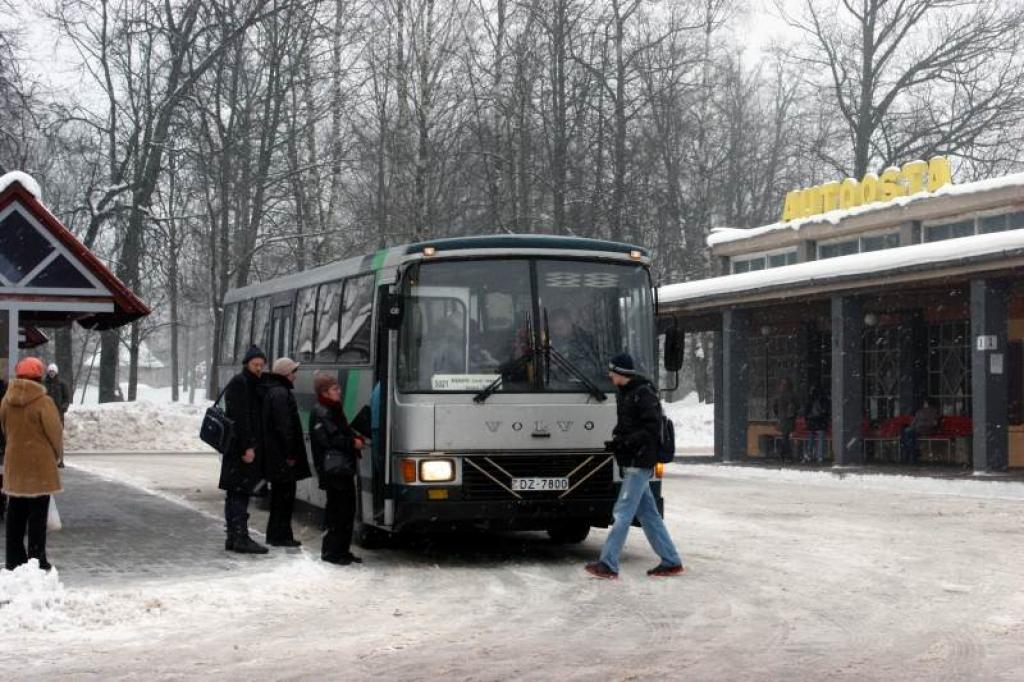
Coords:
pixel 666 434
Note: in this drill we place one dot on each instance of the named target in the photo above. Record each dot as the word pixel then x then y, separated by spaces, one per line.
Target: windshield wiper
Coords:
pixel 567 364
pixel 507 369
pixel 570 367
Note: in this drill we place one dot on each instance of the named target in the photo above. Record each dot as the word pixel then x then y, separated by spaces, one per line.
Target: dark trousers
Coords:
pixel 282 503
pixel 908 445
pixel 236 510
pixel 340 514
pixel 26 513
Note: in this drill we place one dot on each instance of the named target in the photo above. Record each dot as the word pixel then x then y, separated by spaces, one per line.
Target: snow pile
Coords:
pixel 154 394
pixel 139 426
pixel 23 179
pixel 30 599
pixel 694 422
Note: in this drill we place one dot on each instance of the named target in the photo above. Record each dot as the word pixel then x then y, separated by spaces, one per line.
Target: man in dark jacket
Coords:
pixel 241 468
pixel 785 408
pixel 57 389
pixel 636 439
pixel 284 452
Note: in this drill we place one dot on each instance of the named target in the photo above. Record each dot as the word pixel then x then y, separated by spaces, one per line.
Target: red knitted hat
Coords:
pixel 29 368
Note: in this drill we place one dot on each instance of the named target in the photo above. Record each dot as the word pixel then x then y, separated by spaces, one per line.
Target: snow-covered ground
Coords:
pixel 804 576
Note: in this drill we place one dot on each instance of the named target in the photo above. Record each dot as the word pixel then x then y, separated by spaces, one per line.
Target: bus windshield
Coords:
pixel 468 323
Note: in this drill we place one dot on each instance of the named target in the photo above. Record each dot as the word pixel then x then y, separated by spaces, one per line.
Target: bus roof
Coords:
pixel 524 241
pixel 393 256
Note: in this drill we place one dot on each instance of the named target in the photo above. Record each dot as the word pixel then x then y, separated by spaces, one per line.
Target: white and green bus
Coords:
pixel 478 366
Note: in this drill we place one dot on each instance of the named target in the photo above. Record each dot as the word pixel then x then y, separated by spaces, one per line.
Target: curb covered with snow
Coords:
pixel 988 488
pixel 139 426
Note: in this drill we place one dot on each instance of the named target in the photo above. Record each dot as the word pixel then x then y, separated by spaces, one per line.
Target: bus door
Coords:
pixel 280 332
pixel 379 405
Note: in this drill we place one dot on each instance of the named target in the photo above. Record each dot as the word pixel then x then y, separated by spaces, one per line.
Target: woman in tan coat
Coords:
pixel 32 426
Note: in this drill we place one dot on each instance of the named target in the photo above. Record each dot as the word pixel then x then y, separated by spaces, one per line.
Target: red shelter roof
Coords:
pixel 127 306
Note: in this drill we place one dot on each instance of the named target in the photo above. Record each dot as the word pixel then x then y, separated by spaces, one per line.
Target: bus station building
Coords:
pixel 883 305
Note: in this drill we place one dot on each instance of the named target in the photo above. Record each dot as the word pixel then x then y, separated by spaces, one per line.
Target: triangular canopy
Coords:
pixel 42 262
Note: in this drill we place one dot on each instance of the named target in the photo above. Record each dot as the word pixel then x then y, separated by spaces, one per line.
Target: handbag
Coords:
pixel 337 463
pixel 217 430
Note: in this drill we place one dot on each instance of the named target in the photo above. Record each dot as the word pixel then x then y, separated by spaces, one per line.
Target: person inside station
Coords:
pixel 785 409
pixel 57 389
pixel 926 422
pixel 818 412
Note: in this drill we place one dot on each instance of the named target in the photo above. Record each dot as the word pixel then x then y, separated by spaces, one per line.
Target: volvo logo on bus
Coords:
pixel 539 426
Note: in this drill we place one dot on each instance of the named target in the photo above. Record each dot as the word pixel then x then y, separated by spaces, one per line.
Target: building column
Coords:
pixel 735 329
pixel 719 397
pixel 988 374
pixel 913 362
pixel 847 381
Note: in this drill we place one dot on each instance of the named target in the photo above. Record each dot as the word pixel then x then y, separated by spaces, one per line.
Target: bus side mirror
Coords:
pixel 393 311
pixel 675 348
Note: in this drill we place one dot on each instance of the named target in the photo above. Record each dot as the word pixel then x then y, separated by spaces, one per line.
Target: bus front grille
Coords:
pixel 489 477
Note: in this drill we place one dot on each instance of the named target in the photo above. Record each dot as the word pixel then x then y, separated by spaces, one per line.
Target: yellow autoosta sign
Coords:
pixel 914 177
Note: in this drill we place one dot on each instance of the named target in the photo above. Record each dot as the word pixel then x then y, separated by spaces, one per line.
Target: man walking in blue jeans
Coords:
pixel 635 444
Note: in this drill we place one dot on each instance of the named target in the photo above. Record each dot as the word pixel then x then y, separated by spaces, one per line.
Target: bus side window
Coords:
pixel 305 311
pixel 355 321
pixel 244 339
pixel 227 334
pixel 328 309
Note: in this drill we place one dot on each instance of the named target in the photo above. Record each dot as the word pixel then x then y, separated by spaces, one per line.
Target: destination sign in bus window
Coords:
pixel 461 382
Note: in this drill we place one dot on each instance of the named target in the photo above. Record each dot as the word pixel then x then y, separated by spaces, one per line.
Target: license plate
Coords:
pixel 520 484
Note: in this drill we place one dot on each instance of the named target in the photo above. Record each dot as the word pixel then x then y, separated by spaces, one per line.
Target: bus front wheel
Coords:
pixel 570 533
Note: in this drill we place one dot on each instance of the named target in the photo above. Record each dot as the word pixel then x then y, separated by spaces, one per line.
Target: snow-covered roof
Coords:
pixel 723 235
pixel 832 270
pixel 23 179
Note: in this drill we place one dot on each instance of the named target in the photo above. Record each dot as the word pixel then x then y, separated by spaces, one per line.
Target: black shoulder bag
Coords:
pixel 218 430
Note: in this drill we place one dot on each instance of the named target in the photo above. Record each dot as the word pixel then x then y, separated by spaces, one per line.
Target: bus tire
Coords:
pixel 570 533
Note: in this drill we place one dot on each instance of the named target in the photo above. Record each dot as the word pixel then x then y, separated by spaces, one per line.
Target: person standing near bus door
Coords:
pixel 284 450
pixel 241 468
pixel 57 389
pixel 635 444
pixel 335 449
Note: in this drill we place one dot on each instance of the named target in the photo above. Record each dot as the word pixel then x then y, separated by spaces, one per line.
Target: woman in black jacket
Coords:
pixel 240 467
pixel 335 444
pixel 284 450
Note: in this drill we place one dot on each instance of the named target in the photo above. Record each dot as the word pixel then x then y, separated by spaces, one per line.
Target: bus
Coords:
pixel 476 366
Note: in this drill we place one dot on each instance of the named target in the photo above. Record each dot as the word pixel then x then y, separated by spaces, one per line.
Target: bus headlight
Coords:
pixel 437 470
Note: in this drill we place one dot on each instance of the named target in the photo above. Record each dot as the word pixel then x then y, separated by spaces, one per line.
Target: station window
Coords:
pixel 949 367
pixel 834 249
pixel 936 233
pixel 762 261
pixel 879 242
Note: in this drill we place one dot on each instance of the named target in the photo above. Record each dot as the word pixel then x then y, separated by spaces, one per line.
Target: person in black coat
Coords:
pixel 284 450
pixel 636 440
pixel 241 468
pixel 335 449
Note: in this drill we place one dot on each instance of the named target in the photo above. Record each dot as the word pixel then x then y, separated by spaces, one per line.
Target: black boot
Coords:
pixel 229 543
pixel 243 544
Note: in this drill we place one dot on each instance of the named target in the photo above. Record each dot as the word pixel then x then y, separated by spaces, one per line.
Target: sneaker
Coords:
pixel 288 542
pixel 600 570
pixel 664 571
